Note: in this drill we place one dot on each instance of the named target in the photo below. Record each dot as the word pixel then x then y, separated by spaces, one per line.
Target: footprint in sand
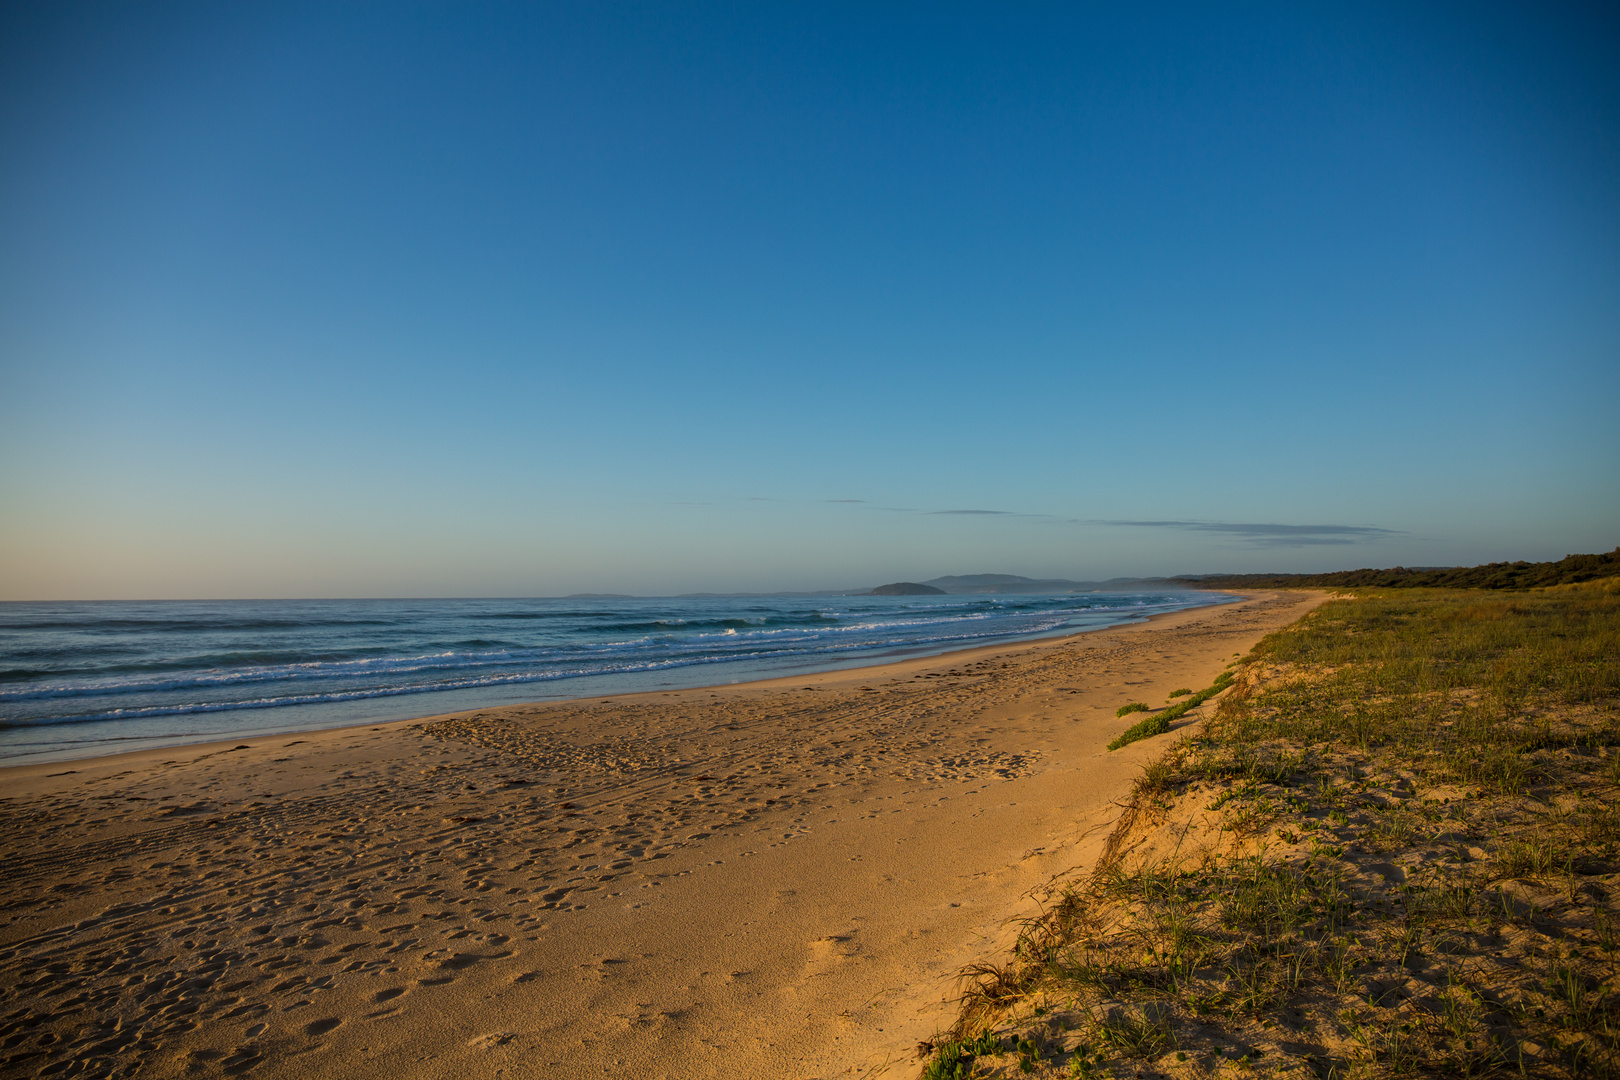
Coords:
pixel 241 1060
pixel 827 952
pixel 493 1039
pixel 459 961
pixel 315 1029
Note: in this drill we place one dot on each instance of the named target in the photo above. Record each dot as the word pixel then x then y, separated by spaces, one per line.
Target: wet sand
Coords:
pixel 776 879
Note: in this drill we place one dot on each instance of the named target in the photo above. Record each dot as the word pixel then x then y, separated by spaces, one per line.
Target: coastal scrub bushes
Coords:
pixel 1130 707
pixel 1393 850
pixel 1570 570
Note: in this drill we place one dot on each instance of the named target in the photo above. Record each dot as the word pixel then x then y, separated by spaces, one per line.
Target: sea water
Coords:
pixel 89 678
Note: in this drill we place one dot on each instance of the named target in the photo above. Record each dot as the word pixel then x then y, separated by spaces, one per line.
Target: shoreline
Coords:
pixel 210 744
pixel 777 878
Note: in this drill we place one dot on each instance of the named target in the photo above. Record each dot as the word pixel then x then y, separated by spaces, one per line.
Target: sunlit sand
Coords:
pixel 773 879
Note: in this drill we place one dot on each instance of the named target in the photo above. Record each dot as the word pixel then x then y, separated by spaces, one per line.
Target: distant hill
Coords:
pixel 907 588
pixel 1012 583
pixel 1502 575
pixel 965 582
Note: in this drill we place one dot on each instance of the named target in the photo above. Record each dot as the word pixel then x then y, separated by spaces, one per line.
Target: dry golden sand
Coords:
pixel 776 879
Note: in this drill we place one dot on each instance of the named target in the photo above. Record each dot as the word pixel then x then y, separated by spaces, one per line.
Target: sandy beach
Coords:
pixel 776 879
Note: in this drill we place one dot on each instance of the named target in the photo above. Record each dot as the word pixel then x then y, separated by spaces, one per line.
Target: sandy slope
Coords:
pixel 776 880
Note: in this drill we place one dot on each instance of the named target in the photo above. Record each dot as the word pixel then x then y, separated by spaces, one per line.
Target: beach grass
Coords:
pixel 1393 850
pixel 1160 722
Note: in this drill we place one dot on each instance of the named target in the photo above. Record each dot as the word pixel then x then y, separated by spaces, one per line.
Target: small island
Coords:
pixel 907 588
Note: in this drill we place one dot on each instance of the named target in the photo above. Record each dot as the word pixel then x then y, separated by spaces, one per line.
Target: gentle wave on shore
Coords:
pixel 92 676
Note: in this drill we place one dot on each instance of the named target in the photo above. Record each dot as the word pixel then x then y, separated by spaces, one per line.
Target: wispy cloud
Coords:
pixel 1267 534
pixel 1299 541
pixel 1250 534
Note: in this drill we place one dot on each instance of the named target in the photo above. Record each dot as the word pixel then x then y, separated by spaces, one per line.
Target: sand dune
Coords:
pixel 776 879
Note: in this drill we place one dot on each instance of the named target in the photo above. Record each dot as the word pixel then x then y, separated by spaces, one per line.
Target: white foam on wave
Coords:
pixel 431 671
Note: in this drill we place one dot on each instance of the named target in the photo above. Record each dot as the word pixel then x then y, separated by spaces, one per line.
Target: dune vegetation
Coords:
pixel 1393 849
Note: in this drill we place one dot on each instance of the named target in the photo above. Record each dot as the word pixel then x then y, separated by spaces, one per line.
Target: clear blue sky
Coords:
pixel 455 299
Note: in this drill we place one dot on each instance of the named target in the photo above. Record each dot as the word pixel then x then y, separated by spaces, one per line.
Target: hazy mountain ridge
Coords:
pixel 1013 583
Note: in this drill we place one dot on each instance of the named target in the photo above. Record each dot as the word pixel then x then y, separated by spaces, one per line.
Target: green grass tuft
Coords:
pixel 1142 729
pixel 954 1060
pixel 1126 710
pixel 1159 722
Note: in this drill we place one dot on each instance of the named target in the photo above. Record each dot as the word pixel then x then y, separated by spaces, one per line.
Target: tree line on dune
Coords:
pixel 1502 575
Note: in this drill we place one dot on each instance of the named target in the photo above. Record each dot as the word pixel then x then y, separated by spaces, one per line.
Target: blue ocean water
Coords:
pixel 90 678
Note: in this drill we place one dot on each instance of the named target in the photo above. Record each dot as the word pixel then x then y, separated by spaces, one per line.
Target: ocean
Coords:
pixel 78 679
